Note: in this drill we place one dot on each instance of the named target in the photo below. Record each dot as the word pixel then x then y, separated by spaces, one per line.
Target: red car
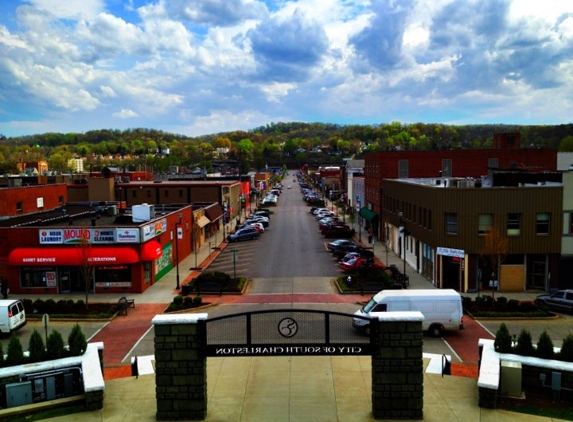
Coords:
pixel 354 264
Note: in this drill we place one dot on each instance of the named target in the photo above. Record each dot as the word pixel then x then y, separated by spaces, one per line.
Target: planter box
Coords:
pixel 546 377
pixel 33 387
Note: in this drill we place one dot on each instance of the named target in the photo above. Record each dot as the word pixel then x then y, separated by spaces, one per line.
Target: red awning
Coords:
pixel 151 251
pixel 72 256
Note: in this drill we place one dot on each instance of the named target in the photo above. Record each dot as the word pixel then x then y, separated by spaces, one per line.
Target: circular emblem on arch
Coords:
pixel 287 327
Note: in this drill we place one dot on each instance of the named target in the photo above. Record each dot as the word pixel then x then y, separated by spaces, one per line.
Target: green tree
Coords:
pixel 36 347
pixel 566 144
pixel 15 354
pixel 524 345
pixel 545 346
pixel 55 346
pixel 77 341
pixel 502 343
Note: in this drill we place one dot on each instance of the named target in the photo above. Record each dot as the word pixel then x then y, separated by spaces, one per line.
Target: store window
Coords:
pixel 113 276
pixel 543 223
pixel 513 224
pixel 484 223
pixel 451 223
pixel 37 277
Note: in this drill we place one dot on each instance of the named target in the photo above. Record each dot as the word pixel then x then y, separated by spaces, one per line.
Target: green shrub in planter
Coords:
pixel 524 346
pixel 545 346
pixel 77 341
pixel 213 277
pixel 39 306
pixel 188 302
pixel 178 300
pixel 566 353
pixel 513 305
pixel 15 355
pixel 197 300
pixel 527 306
pixel 28 305
pixel 467 303
pixel 501 304
pixel 50 306
pixel 55 346
pixel 502 343
pixel 36 347
pixel 488 302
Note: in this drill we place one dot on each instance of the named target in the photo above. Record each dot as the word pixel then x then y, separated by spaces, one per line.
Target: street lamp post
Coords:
pixel 177 247
pixel 404 234
pixel 359 219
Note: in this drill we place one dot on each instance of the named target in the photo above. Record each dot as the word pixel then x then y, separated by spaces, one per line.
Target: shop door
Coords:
pixel 451 273
pixel 536 271
pixel 64 280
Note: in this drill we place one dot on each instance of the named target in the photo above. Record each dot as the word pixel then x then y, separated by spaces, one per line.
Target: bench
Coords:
pixel 210 287
pixel 123 303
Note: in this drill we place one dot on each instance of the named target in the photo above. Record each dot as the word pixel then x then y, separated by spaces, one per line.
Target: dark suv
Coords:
pixel 246 233
pixel 561 300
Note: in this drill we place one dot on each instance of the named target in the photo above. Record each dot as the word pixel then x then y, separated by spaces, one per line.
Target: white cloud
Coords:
pixel 68 9
pixel 125 114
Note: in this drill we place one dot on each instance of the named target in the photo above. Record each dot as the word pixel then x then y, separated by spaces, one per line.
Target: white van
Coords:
pixel 12 316
pixel 442 308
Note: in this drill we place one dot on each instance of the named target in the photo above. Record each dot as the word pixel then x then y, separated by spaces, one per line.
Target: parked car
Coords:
pixel 358 263
pixel 258 219
pixel 263 213
pixel 561 300
pixel 340 243
pixel 338 231
pixel 349 256
pixel 246 233
pixel 258 226
pixel 344 249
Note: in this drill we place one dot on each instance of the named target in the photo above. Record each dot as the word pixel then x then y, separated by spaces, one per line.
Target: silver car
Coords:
pixel 561 300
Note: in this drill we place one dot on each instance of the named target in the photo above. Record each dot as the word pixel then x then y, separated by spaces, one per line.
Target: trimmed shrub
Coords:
pixel 502 343
pixel 50 306
pixel 15 355
pixel 55 346
pixel 545 346
pixel 488 302
pixel 36 347
pixel 501 304
pixel 527 306
pixel 467 303
pixel 213 277
pixel 188 302
pixel 513 305
pixel 566 353
pixel 77 341
pixel 62 307
pixel 39 306
pixel 524 346
pixel 28 305
pixel 197 300
pixel 178 300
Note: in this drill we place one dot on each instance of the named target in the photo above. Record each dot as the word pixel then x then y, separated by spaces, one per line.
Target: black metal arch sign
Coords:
pixel 289 332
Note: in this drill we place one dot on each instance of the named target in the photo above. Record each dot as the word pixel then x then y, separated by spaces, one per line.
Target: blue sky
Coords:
pixel 207 66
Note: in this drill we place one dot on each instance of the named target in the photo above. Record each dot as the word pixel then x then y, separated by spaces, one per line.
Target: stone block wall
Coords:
pixel 398 369
pixel 181 372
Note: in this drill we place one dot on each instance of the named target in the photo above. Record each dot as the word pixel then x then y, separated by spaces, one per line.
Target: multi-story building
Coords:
pixel 474 235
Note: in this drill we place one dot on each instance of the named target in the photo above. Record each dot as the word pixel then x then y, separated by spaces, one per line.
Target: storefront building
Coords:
pixel 94 249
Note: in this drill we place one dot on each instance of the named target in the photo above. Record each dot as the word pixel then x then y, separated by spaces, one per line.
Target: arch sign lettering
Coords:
pixel 283 332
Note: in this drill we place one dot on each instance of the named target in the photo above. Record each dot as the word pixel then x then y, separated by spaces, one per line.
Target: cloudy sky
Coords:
pixel 197 67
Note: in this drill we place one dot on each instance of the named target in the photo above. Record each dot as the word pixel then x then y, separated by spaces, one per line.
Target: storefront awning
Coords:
pixel 214 212
pixel 72 256
pixel 203 221
pixel 151 251
pixel 368 215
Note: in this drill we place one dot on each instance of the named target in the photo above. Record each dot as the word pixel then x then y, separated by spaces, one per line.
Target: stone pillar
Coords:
pixel 397 367
pixel 180 370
